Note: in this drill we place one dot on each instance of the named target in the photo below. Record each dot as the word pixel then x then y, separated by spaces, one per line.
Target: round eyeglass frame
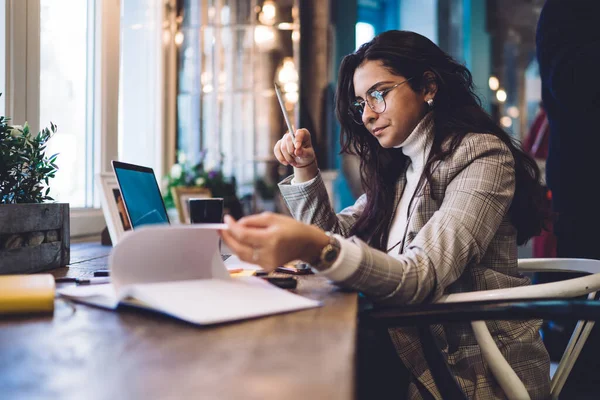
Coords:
pixel 356 115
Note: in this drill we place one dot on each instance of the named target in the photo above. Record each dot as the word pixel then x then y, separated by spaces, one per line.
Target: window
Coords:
pixel 421 16
pixel 52 75
pixel 376 16
pixel 140 102
pixel 229 55
pixel 364 33
pixel 63 66
pixel 64 78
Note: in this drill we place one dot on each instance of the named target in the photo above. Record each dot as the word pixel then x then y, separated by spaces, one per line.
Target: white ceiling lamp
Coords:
pixel 506 121
pixel 268 13
pixel 501 95
pixel 494 83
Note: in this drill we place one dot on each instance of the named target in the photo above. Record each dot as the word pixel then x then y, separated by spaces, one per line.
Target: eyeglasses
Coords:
pixel 375 99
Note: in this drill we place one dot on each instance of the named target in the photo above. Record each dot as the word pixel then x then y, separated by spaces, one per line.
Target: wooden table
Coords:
pixel 81 352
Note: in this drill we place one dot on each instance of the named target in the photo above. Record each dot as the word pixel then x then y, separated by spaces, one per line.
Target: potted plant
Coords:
pixel 188 175
pixel 34 234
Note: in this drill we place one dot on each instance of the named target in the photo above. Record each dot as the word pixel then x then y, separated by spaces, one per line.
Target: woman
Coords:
pixel 448 198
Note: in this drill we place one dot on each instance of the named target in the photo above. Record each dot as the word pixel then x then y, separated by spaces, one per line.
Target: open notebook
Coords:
pixel 178 271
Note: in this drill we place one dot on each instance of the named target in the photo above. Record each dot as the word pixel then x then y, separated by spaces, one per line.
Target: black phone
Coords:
pixel 297 269
pixel 282 282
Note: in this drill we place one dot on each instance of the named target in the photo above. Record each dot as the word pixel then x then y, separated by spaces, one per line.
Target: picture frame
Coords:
pixel 113 207
pixel 182 195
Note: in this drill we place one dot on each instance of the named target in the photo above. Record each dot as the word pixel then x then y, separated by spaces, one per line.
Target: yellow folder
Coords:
pixel 26 293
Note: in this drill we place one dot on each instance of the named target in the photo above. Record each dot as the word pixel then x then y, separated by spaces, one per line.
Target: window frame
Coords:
pixel 23 88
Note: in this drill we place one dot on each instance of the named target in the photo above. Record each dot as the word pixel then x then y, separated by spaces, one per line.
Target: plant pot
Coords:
pixel 33 237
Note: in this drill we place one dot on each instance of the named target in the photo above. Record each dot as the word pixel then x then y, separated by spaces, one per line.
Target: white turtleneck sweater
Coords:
pixel 416 147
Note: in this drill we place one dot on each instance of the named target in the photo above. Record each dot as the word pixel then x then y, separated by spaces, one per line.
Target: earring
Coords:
pixel 430 103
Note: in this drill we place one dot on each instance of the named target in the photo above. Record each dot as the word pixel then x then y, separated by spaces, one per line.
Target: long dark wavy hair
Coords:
pixel 457 112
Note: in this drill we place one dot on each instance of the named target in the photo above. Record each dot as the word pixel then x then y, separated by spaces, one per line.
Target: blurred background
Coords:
pixel 174 83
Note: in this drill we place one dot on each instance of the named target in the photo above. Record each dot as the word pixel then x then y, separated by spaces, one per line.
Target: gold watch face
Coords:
pixel 330 255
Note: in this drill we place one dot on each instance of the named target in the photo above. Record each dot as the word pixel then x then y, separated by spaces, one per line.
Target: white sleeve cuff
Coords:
pixel 293 181
pixel 347 262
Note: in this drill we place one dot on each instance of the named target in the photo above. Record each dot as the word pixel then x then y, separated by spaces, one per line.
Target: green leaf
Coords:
pixel 24 167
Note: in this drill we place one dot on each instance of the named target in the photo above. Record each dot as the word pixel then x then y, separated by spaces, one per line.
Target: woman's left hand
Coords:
pixel 271 240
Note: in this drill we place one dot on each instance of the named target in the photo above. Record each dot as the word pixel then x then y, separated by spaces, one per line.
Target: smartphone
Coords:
pixel 295 269
pixel 284 283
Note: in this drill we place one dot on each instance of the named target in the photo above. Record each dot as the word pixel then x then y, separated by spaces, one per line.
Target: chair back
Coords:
pixel 569 288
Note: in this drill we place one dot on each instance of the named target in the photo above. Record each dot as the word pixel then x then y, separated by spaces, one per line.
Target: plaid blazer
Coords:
pixel 466 243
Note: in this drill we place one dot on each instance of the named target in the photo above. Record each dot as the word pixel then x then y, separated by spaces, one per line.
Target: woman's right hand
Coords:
pixel 270 240
pixel 298 153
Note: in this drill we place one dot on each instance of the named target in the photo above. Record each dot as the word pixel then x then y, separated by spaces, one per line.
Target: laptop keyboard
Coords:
pixel 225 256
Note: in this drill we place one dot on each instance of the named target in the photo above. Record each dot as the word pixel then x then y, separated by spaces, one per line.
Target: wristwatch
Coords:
pixel 329 253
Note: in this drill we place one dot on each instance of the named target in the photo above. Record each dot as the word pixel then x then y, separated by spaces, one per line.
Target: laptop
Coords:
pixel 141 195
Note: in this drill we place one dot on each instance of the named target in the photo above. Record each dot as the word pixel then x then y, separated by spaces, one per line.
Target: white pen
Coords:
pixel 283 110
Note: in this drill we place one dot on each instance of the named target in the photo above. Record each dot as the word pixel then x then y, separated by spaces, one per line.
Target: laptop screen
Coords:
pixel 141 194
